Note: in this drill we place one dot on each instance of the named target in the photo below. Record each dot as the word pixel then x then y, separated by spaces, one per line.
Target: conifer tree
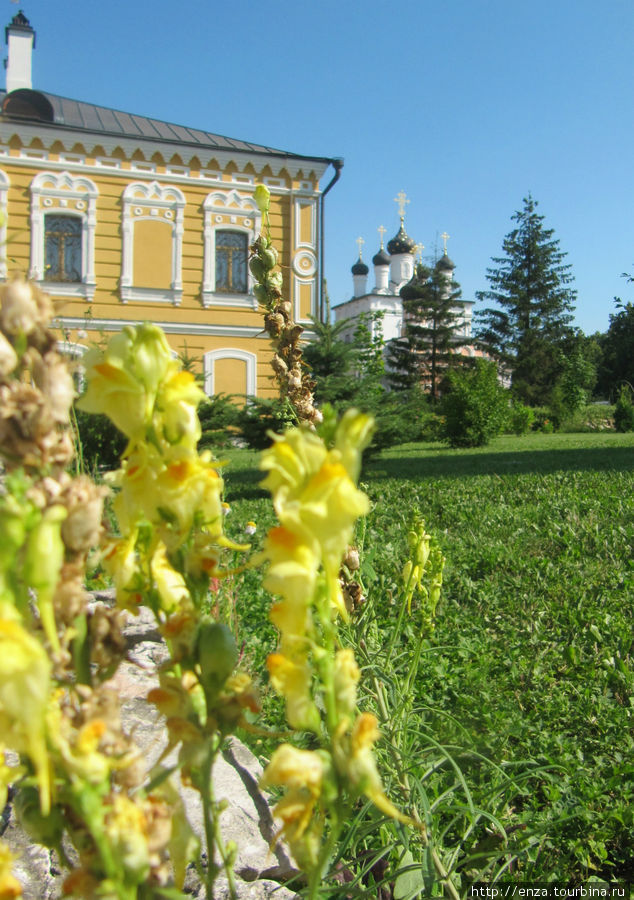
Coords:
pixel 527 329
pixel 433 323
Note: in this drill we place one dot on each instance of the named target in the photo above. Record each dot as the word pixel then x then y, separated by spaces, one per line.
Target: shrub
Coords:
pixel 476 406
pixel 520 419
pixel 217 415
pixel 259 416
pixel 100 442
pixel 545 420
pixel 624 410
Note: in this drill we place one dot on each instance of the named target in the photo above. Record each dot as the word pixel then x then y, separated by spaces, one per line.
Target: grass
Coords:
pixel 530 666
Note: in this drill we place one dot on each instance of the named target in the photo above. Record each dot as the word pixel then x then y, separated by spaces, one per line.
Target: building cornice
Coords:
pixel 50 134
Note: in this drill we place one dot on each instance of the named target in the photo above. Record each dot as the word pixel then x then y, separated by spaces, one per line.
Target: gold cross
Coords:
pixel 359 242
pixel 445 237
pixel 401 199
pixel 419 250
pixel 381 231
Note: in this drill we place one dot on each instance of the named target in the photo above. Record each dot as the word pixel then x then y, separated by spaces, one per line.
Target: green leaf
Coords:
pixel 409 883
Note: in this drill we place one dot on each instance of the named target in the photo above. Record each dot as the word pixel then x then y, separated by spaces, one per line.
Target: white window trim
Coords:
pixel 159 199
pixel 46 188
pixel 209 361
pixel 239 210
pixel 4 195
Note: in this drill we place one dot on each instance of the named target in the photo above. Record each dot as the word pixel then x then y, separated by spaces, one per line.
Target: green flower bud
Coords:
pixel 260 294
pixel 217 654
pixel 269 257
pixel 258 269
pixel 261 243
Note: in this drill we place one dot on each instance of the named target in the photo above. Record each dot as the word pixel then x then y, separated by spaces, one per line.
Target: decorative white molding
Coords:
pixel 305 263
pixel 299 205
pixel 68 195
pixel 49 135
pixel 181 327
pixel 227 211
pixel 312 285
pixel 212 356
pixel 145 200
pixel 4 193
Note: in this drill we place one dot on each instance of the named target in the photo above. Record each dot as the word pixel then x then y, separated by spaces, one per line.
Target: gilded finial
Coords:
pixel 381 231
pixel 401 199
pixel 419 251
pixel 445 237
pixel 359 242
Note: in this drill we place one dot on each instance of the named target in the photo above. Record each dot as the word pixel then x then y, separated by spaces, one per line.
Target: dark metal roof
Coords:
pixel 79 116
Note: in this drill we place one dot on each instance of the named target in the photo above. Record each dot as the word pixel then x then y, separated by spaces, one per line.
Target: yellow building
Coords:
pixel 122 218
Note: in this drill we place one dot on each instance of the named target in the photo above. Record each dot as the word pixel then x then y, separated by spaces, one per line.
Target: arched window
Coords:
pixel 231 261
pixel 232 221
pixel 63 223
pixel 62 248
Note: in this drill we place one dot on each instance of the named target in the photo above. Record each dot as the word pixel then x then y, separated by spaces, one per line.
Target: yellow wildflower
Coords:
pixel 347 677
pixel 301 772
pixel 24 691
pixel 356 760
pixel 169 583
pixel 126 830
pixel 292 572
pixel 10 887
pixel 123 380
pixel 176 405
pixel 292 679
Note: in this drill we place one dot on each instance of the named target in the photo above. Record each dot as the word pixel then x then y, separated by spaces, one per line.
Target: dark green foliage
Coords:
pixel 433 321
pixel 624 411
pixel 617 362
pixel 520 418
pixel 401 417
pixel 476 406
pixel 527 328
pixel 219 416
pixel 259 416
pixel 331 362
pixel 101 442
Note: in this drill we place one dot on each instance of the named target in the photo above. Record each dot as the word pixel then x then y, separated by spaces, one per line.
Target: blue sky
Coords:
pixel 466 105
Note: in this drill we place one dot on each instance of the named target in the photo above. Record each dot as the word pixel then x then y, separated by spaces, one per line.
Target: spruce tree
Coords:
pixel 527 330
pixel 433 321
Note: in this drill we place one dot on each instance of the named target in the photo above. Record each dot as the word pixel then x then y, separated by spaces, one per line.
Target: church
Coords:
pixel 393 267
pixel 122 218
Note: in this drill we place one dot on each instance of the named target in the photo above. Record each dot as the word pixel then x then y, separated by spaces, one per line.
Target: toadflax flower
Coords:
pixel 25 671
pixel 123 380
pixel 314 492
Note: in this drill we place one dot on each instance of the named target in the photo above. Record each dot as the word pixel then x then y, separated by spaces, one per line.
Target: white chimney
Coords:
pixel 21 40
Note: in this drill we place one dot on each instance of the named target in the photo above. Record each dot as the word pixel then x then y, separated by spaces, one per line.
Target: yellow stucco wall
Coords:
pixel 189 325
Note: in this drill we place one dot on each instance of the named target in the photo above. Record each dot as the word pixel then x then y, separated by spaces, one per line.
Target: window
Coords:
pixel 62 248
pixel 63 224
pixel 231 262
pixel 232 221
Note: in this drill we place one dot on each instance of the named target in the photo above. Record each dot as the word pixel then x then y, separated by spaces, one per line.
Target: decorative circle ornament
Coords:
pixel 305 263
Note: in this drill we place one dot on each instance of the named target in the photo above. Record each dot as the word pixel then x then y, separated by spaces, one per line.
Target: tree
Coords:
pixel 433 321
pixel 617 363
pixel 476 407
pixel 331 361
pixel 527 329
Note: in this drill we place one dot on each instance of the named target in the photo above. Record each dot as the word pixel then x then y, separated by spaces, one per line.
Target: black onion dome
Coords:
pixel 401 243
pixel 360 268
pixel 381 258
pixel 445 263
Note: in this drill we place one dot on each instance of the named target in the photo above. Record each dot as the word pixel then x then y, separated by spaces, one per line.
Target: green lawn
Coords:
pixel 530 668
